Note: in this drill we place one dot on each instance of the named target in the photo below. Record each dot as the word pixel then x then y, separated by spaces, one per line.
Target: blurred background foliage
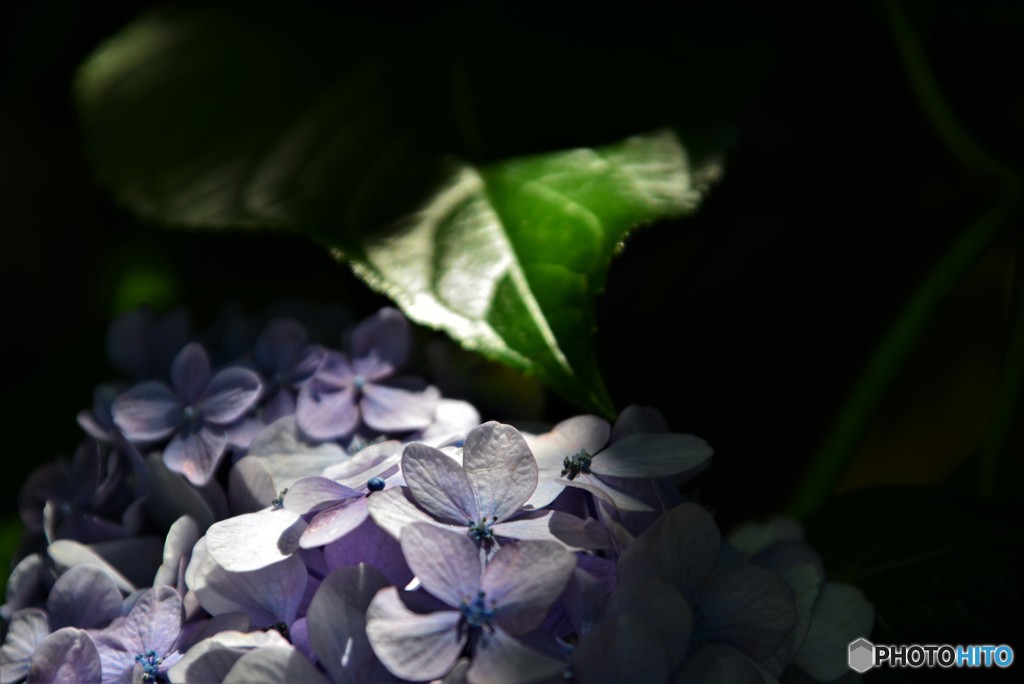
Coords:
pixel 750 323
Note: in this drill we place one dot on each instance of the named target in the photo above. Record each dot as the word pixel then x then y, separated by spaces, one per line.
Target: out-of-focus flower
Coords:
pixel 285 361
pixel 487 608
pixel 342 396
pixel 196 412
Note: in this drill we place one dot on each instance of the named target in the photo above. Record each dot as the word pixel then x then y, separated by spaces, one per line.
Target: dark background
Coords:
pixel 748 323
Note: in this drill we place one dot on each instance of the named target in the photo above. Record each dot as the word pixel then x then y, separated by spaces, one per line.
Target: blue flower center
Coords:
pixel 278 500
pixel 475 612
pixel 375 484
pixel 150 662
pixel 575 465
pixel 359 382
pixel 191 414
pixel 481 531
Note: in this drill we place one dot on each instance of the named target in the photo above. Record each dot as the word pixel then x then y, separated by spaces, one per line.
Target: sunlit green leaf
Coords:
pixel 508 259
pixel 201 119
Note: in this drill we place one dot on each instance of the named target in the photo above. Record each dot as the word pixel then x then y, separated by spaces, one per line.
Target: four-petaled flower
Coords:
pixel 196 412
pixel 341 396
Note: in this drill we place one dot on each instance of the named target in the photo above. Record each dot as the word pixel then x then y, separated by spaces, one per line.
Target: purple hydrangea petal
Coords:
pixel 446 563
pixel 500 657
pixel 569 530
pixel 306 365
pixel 605 492
pixel 269 595
pixel 274 664
pixel 325 413
pixel 393 510
pixel 83 597
pixel 231 393
pixel 67 554
pixel 500 468
pixel 661 607
pixel 750 538
pixel 622 648
pixel 190 373
pixel 196 454
pixel 524 580
pixel 278 346
pixel 651 455
pixel 399 406
pixel 452 420
pixel 585 598
pixel 334 373
pixel 182 536
pixel 411 645
pixel 288 458
pixel 376 460
pixel 27 629
pixel 439 485
pixel 748 608
pixel 334 523
pixel 148 412
pixel 682 547
pixel 154 622
pixel 250 486
pixel 279 404
pixel 373 546
pixel 841 614
pixel 254 540
pixel 337 624
pixel 212 658
pixel 638 419
pixel 172 497
pixel 381 344
pixel 314 493
pixel 718 663
pixel 588 433
pixel 68 656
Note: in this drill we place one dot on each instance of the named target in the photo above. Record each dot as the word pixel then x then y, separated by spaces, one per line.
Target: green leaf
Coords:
pixel 202 119
pixel 508 259
pixel 936 565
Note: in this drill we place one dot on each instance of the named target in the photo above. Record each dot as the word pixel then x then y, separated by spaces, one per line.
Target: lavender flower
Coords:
pixel 498 475
pixel 142 644
pixel 196 412
pixel 486 608
pixel 574 454
pixel 286 362
pixel 341 396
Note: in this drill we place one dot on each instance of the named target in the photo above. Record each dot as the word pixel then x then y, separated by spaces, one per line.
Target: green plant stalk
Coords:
pixel 895 346
pixel 888 359
pixel 1011 383
pixel 947 127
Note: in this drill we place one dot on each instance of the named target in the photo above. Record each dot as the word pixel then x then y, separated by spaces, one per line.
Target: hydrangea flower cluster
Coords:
pixel 307 514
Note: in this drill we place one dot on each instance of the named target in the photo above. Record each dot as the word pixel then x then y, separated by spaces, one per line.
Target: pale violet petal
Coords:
pixel 500 657
pixel 288 458
pixel 447 563
pixel 570 531
pixel 212 658
pixel 68 656
pixel 605 492
pixel 501 469
pixel 274 664
pixel 393 510
pixel 524 579
pixel 182 536
pixel 651 455
pixel 269 595
pixel 439 485
pixel 254 540
pixel 83 597
pixel 412 645
pixel 250 486
pixel 841 615
pixel 588 433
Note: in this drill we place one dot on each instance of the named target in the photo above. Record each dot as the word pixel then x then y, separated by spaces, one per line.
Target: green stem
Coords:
pixel 888 358
pixel 940 116
pixel 895 346
pixel 1011 382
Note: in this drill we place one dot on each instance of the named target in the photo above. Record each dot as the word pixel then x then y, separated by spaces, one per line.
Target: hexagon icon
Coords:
pixel 862 655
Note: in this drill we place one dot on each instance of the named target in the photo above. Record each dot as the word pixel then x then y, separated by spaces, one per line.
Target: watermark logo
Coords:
pixel 864 655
